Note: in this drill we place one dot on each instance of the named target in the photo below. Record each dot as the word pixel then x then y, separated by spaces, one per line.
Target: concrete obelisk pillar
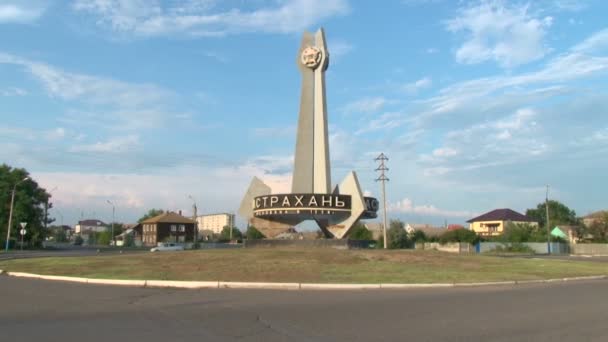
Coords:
pixel 312 170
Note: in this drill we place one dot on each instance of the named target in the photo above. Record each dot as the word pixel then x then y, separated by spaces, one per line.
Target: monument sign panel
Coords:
pixel 312 198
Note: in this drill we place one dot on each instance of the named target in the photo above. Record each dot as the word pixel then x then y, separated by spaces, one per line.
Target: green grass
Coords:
pixel 308 266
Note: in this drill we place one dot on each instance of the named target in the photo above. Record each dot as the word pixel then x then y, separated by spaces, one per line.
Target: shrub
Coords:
pixel 359 232
pixel 253 234
pixel 419 236
pixel 513 248
pixel 397 238
pixel 459 235
pixel 78 240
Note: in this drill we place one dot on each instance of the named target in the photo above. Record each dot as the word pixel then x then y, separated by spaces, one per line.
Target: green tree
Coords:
pixel 78 240
pixel 396 235
pixel 559 213
pixel 397 224
pixel 599 229
pixel 104 238
pixel 28 207
pixel 459 235
pixel 151 213
pixel 58 234
pixel 225 234
pixel 516 233
pixel 359 232
pixel 419 236
pixel 253 234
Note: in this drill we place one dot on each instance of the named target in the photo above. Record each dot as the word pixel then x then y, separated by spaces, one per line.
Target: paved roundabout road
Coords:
pixel 38 310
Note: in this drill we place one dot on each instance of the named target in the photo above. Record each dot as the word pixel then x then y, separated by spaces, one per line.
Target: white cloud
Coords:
pixel 216 188
pixel 418 85
pixel 56 134
pixel 570 5
pixel 407 206
pixel 23 11
pixel 509 35
pixel 445 152
pixel 595 43
pixel 13 91
pixel 118 105
pixel 113 145
pixel 340 49
pixel 274 132
pixel 198 18
pixel 365 105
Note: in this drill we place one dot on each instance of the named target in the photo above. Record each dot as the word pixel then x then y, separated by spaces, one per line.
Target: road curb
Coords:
pixel 183 284
pixel 282 286
pixel 339 286
pixel 140 283
pixel 268 286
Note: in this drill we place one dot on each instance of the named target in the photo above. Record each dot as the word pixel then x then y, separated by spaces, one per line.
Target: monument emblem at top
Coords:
pixel 311 197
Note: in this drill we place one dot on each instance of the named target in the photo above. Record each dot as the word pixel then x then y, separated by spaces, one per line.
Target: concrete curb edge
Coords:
pixel 282 286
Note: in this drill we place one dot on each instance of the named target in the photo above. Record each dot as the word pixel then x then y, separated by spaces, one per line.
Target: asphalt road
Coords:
pixel 37 310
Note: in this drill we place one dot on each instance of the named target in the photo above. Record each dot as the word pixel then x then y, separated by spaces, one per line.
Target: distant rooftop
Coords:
pixel 168 217
pixel 502 215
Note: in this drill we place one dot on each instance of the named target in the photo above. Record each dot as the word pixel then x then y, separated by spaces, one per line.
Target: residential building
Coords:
pixel 90 225
pixel 493 223
pixel 167 227
pixel 215 222
pixel 568 233
pixel 594 217
pixel 376 228
pixel 427 229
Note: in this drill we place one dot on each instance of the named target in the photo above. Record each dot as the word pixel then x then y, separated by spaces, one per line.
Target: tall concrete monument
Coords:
pixel 311 197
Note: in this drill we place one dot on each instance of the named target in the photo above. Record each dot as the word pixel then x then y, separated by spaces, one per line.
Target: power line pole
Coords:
pixel 382 178
pixel 547 221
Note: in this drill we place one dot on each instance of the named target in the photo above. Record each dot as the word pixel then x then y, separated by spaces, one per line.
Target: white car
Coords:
pixel 167 246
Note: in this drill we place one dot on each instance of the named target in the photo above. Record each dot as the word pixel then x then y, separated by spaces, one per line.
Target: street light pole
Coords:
pixel 195 220
pixel 113 209
pixel 46 209
pixel 547 221
pixel 10 215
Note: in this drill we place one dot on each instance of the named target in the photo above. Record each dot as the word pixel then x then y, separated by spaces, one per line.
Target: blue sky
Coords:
pixel 478 104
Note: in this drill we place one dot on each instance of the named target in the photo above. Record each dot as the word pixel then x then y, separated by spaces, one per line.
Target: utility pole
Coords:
pixel 10 215
pixel 194 210
pixel 382 178
pixel 113 210
pixel 547 221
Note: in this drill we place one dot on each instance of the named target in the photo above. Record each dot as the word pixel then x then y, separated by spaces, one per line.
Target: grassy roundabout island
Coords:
pixel 308 266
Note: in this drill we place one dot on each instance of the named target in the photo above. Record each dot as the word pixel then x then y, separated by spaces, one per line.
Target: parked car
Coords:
pixel 167 246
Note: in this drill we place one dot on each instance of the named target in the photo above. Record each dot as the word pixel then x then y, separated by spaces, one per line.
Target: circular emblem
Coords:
pixel 311 56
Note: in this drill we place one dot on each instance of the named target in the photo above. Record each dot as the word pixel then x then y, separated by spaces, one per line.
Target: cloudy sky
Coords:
pixel 478 104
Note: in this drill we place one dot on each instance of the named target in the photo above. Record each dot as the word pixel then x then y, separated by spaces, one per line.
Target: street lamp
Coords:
pixel 10 215
pixel 195 219
pixel 547 221
pixel 113 210
pixel 46 208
